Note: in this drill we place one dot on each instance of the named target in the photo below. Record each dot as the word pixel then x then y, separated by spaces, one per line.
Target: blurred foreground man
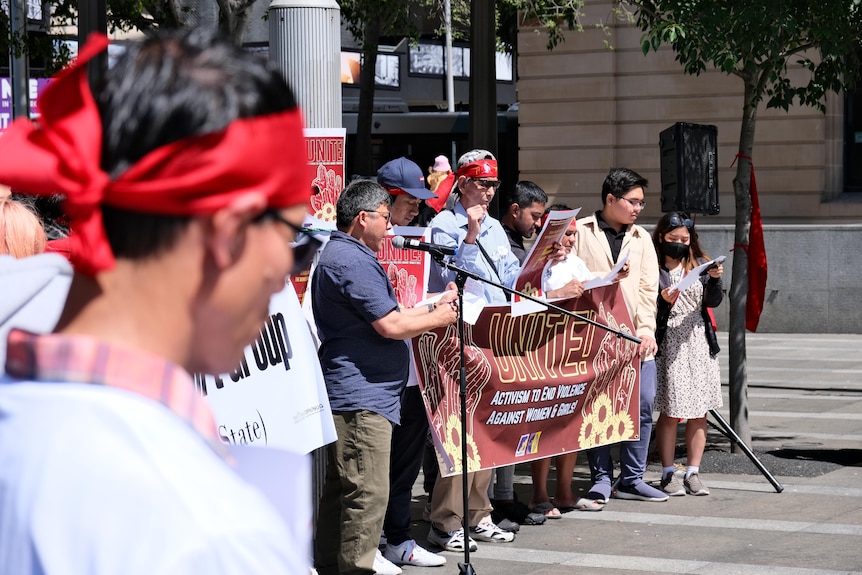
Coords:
pixel 185 180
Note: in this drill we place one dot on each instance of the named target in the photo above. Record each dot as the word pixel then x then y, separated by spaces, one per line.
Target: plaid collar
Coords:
pixel 83 359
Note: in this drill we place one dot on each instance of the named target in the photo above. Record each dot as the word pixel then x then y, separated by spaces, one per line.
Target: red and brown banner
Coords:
pixel 538 385
pixel 406 269
pixel 325 149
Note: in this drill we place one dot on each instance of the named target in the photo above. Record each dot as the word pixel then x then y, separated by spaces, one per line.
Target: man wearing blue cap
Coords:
pixel 405 183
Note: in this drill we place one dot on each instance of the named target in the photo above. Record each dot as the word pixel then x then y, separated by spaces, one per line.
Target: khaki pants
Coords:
pixel 355 493
pixel 447 502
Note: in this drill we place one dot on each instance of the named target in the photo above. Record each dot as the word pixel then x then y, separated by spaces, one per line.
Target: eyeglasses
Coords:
pixel 304 245
pixel 676 221
pixel 487 183
pixel 637 204
pixel 387 215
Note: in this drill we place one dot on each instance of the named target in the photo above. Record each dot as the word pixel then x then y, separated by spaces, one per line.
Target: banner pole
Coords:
pixel 464 568
pixel 439 258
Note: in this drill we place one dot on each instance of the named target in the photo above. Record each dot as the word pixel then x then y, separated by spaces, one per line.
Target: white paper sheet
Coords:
pixel 610 277
pixel 692 276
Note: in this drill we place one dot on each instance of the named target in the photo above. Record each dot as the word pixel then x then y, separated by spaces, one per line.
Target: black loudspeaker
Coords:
pixel 689 168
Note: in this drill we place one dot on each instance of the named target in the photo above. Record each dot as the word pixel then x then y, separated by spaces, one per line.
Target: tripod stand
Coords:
pixel 725 429
pixel 466 568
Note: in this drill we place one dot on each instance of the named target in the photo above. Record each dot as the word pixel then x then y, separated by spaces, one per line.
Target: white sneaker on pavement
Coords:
pixel 409 553
pixel 489 531
pixel 383 566
pixel 452 541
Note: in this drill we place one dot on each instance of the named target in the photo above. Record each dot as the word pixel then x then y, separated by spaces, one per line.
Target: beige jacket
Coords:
pixel 640 287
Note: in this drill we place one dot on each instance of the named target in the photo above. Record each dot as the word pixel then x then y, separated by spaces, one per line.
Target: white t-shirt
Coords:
pixel 558 275
pixel 96 480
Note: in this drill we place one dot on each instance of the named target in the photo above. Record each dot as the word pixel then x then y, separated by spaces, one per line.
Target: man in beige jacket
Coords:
pixel 600 240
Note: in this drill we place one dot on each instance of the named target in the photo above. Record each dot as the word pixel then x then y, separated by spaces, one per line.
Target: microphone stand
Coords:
pixel 466 568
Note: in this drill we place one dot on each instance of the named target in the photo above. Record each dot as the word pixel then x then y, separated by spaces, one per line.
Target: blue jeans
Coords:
pixel 633 454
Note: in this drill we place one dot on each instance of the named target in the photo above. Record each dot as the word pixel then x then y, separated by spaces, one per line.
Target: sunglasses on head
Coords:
pixel 304 245
pixel 677 221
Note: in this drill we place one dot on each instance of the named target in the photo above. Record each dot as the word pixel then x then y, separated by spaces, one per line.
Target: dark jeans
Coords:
pixel 408 449
pixel 633 454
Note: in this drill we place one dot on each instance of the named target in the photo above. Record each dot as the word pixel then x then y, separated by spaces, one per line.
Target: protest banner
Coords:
pixel 406 269
pixel 537 385
pixel 530 278
pixel 325 148
pixel 276 396
pixel 35 87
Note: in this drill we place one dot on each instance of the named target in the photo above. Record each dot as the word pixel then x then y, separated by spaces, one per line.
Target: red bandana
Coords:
pixel 479 169
pixel 195 176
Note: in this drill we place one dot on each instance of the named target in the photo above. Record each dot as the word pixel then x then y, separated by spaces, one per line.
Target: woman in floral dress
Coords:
pixel 689 384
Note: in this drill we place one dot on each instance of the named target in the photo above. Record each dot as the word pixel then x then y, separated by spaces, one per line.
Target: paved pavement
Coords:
pixel 805 401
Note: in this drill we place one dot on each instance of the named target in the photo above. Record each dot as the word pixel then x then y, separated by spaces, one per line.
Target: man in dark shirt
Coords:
pixel 524 209
pixel 364 363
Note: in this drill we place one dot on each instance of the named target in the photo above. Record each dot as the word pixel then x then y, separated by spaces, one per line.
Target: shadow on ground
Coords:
pixel 802 461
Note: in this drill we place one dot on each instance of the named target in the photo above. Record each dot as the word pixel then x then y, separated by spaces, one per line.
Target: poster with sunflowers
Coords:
pixel 537 385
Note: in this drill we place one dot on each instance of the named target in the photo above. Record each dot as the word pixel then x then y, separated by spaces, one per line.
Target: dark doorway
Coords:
pixel 853 142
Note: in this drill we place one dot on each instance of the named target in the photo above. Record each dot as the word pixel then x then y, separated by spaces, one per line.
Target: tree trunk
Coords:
pixel 739 283
pixel 362 154
pixel 233 19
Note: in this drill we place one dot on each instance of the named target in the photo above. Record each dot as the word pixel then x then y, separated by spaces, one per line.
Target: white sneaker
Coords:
pixel 383 566
pixel 452 541
pixel 409 553
pixel 488 531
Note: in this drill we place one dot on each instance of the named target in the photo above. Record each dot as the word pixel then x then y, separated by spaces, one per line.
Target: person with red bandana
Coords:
pixel 185 181
pixel 482 248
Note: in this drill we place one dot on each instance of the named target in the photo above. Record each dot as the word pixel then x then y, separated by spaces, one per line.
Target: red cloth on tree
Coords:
pixel 757 268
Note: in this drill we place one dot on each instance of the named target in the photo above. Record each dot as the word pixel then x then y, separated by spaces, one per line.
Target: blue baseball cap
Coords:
pixel 405 175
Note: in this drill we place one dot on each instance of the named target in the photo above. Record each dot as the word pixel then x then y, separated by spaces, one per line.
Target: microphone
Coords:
pixel 401 242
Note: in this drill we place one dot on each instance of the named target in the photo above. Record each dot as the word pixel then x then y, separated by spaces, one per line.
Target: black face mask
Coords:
pixel 675 250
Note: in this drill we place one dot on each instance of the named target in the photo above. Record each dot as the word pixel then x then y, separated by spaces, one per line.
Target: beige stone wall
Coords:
pixel 585 108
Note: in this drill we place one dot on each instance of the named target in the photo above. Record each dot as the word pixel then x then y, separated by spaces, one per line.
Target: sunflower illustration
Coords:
pixel 598 425
pixel 326 213
pixel 622 427
pixel 452 445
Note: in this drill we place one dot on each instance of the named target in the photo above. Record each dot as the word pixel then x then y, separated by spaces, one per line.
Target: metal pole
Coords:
pixel 305 44
pixel 731 434
pixel 93 17
pixel 450 74
pixel 483 78
pixel 18 68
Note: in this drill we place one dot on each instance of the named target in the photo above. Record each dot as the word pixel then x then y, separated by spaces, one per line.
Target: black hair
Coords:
pixel 619 181
pixel 669 222
pixel 525 194
pixel 173 85
pixel 557 208
pixel 359 196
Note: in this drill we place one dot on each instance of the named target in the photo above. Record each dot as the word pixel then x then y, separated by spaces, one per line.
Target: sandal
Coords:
pixel 547 509
pixel 582 504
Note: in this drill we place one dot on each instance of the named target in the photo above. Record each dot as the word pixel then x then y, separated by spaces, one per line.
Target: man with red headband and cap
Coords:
pixel 483 248
pixel 185 182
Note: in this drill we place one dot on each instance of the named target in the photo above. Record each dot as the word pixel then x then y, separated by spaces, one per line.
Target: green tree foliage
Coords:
pixel 123 15
pixel 368 21
pixel 759 41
